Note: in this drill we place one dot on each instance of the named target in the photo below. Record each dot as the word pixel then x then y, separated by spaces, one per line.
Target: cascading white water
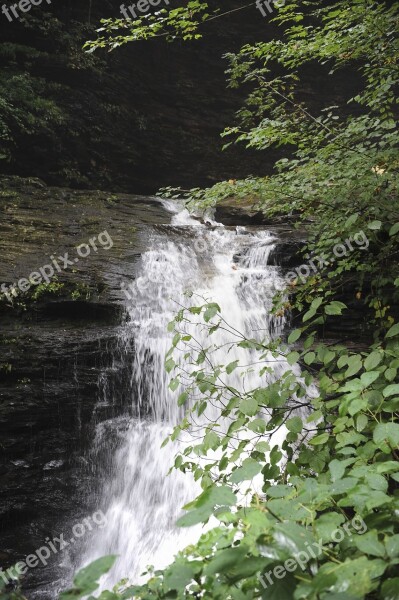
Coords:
pixel 229 266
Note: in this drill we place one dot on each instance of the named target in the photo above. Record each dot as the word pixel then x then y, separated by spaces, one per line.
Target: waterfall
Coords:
pixel 230 267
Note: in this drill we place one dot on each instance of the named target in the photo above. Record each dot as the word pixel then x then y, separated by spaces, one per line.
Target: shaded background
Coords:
pixel 147 115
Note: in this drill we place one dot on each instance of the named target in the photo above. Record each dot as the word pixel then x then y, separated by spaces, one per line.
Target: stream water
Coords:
pixel 228 266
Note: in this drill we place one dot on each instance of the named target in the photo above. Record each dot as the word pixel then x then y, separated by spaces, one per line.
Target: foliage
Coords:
pixel 181 22
pixel 23 111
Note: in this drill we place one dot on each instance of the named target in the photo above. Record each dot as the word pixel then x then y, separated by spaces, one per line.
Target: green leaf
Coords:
pixel 374 225
pixel 319 439
pixel 309 358
pixel 282 589
pixel 292 537
pixel 309 314
pixel 369 544
pixel 392 546
pixel 337 469
pixel 354 365
pixel 263 447
pixel 225 560
pixel 317 302
pixel 394 229
pixel 205 504
pixel 352 219
pixel 247 567
pixel 257 426
pixel 249 406
pixel 178 576
pixel 248 470
pixel 386 433
pixel 335 308
pixel 369 378
pixel 169 364
pixel 199 515
pixel 211 441
pixel 373 360
pixel 390 589
pixel 294 336
pixel 232 366
pixel 294 424
pixel 361 422
pixel 357 405
pixel 352 576
pixel 176 339
pixel 391 390
pixel 182 399
pixel 390 374
pixel 393 331
pixel 292 358
pixel 211 310
pixel 174 384
pixel 86 580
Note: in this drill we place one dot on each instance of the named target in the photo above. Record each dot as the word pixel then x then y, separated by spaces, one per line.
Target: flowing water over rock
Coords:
pixel 228 266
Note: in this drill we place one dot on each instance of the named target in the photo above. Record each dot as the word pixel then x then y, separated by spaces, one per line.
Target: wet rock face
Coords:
pixel 60 348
